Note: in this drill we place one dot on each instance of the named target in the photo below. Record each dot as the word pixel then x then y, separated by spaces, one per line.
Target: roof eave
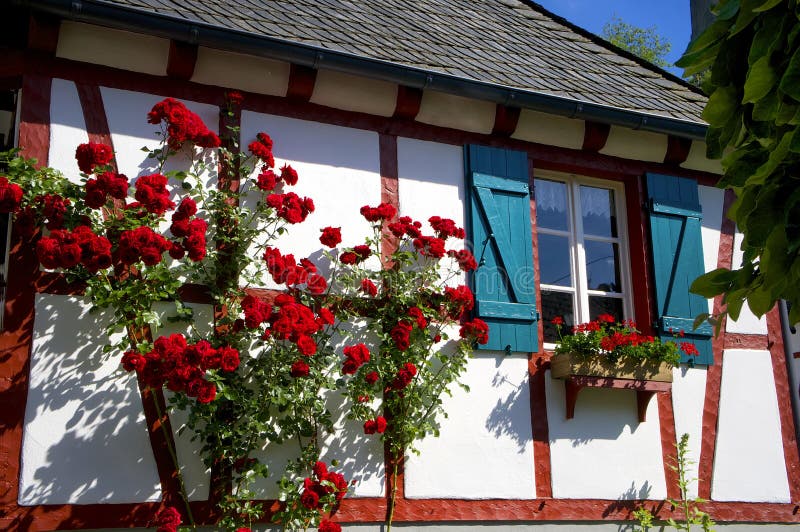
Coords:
pixel 203 34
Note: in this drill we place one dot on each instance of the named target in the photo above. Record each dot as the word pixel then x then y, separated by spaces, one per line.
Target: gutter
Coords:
pixel 204 34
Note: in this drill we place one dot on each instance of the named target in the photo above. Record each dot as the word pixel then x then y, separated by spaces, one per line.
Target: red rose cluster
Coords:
pixel 477 329
pixel 182 125
pixel 329 526
pixel 445 228
pixel 191 230
pixel 168 520
pixel 355 357
pixel 404 376
pixel 401 334
pixel 384 211
pixel 371 426
pixel 429 246
pixel 358 254
pixel 54 207
pixel 141 244
pixel 182 366
pixel 10 196
pixel 320 484
pixel 331 236
pixel 152 193
pixel 91 155
pixel 459 299
pixel 291 207
pixel 267 179
pixel 107 184
pixel 368 287
pixel 406 226
pixel 285 270
pixel 465 259
pixel 65 249
pixel 262 149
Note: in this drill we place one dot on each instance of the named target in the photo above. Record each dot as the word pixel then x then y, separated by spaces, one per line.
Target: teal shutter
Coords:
pixel 677 251
pixel 499 226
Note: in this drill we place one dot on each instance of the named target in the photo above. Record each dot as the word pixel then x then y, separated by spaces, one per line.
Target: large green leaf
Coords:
pixel 790 82
pixel 776 157
pixel 745 16
pixel 767 5
pixel 721 105
pixel 760 80
pixel 726 9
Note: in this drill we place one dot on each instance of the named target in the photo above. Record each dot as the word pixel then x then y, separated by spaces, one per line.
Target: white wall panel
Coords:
pixel 604 452
pixel 338 168
pixel 485 450
pixel 711 200
pixel 67 128
pixel 749 463
pixel 688 398
pixel 747 323
pixel 85 439
pixel 431 183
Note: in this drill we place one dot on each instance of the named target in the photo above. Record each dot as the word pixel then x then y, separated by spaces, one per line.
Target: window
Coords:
pixel 583 260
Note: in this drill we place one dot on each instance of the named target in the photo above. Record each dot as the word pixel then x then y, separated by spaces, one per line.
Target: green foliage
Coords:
pixel 643 42
pixel 753 113
pixel 691 514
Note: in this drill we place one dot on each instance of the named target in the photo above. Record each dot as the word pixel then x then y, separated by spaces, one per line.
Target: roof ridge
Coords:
pixel 610 46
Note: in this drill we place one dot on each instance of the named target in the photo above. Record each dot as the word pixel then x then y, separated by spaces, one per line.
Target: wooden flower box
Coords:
pixel 597 372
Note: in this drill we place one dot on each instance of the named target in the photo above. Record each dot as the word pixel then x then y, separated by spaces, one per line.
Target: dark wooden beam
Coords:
pixel 301 83
pixel 677 150
pixel 43 33
pixel 182 59
pixel 409 101
pixel 595 136
pixel 505 120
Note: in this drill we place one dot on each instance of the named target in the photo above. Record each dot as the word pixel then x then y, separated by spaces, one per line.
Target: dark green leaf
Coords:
pixel 790 82
pixel 721 105
pixel 767 5
pixel 760 80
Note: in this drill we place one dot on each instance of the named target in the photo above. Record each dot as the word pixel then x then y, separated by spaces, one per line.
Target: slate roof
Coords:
pixel 514 43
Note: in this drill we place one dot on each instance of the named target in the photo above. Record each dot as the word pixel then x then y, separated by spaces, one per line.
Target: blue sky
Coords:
pixel 670 17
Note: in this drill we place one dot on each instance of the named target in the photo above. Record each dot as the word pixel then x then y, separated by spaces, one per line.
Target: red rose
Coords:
pixel 371 377
pixel 316 284
pixel 168 519
pixel 477 329
pixel 307 345
pixel 370 426
pixel 207 393
pixel 404 376
pixel 267 180
pixel 326 316
pixel 300 369
pixel 133 361
pixel 384 211
pixel 93 154
pixel 416 313
pixel 235 99
pixel 331 236
pixel 466 261
pixel 329 526
pixel 348 257
pixel 363 251
pixel 401 335
pixel 380 424
pixel 289 175
pixel 229 358
pixel 369 288
pixel 309 499
pixel 262 149
pixel 10 196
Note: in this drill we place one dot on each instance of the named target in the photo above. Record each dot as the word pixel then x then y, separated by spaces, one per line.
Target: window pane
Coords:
pixel 602 266
pixel 557 304
pixel 598 211
pixel 551 204
pixel 605 305
pixel 554 264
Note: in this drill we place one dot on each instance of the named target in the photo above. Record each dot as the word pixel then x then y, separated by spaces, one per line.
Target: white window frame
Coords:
pixel 580 292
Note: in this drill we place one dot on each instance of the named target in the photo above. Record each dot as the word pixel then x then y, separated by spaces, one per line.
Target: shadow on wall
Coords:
pixel 85 439
pixel 510 417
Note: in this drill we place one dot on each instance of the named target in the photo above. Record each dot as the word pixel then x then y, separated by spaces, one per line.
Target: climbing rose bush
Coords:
pixel 263 374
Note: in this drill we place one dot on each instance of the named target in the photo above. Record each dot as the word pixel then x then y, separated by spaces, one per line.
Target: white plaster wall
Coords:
pixel 697 160
pixel 114 48
pixel 457 112
pixel 635 144
pixel 67 128
pixel 747 323
pixel 554 130
pixel 354 93
pixel 338 168
pixel 485 449
pixel 604 452
pixel 239 71
pixel 749 463
pixel 431 183
pixel 360 455
pixel 85 438
pixel 688 398
pixel 195 474
pixel 711 201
